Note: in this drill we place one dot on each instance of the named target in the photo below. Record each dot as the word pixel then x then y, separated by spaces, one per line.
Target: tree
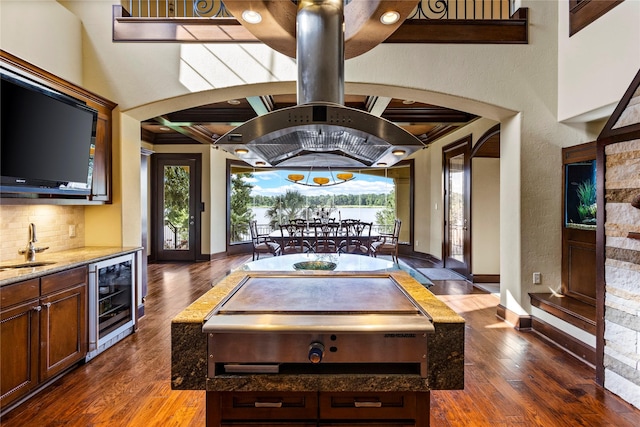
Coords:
pixel 387 216
pixel 241 213
pixel 176 196
pixel 286 207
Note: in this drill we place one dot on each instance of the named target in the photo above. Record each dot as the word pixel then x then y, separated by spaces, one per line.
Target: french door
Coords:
pixel 176 180
pixel 457 224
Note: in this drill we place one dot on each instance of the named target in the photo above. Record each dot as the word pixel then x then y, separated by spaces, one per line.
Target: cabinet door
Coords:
pixel 101 184
pixel 19 327
pixel 63 330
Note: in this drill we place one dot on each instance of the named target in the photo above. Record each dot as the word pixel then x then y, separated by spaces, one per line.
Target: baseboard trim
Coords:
pixel 566 342
pixel 486 278
pixel 519 321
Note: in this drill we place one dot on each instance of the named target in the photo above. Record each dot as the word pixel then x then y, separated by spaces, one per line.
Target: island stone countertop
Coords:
pixel 59 261
pixel 189 350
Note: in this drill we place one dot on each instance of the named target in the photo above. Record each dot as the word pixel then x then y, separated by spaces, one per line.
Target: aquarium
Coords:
pixel 580 205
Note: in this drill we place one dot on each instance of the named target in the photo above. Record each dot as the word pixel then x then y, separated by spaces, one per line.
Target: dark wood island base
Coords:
pixel 336 396
pixel 306 409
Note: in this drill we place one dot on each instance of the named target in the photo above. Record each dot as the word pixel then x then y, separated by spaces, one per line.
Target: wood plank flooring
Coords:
pixel 511 378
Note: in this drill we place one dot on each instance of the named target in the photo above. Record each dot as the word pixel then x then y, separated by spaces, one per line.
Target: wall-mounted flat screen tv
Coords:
pixel 47 139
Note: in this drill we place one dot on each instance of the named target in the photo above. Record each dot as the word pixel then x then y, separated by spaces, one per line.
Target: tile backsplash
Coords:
pixel 52 228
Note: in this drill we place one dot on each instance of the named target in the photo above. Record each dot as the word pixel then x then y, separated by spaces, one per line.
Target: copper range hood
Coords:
pixel 320 131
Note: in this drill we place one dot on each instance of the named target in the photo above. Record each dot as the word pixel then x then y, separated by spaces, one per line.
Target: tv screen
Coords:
pixel 46 140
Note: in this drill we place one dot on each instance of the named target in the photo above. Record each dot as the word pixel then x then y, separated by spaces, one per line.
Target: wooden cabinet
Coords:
pixel 42 329
pixel 343 409
pixel 20 338
pixel 101 183
pixel 63 321
pixel 101 179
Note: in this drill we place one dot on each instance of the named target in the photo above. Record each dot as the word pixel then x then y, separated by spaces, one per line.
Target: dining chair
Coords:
pixel 262 243
pixel 325 237
pixel 294 239
pixel 387 244
pixel 356 241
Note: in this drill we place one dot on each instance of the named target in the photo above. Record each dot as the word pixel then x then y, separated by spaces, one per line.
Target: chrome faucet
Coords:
pixel 30 251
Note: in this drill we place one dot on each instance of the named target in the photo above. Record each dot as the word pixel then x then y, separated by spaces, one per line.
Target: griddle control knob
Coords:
pixel 316 351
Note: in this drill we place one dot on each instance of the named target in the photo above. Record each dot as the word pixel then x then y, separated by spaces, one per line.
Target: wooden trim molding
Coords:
pixel 584 12
pixel 486 278
pixel 488 144
pixel 521 322
pixel 566 342
pixel 571 310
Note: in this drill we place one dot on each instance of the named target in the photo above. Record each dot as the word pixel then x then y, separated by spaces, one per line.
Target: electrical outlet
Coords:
pixel 537 278
pixel 72 230
pixel 417 243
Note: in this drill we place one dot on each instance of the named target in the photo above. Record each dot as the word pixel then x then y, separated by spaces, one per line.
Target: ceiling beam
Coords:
pixel 196 133
pixel 378 104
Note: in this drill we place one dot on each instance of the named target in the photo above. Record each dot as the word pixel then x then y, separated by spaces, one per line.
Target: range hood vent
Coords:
pixel 320 131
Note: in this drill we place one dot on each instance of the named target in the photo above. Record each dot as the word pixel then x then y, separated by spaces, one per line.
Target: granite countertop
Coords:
pixel 189 350
pixel 60 261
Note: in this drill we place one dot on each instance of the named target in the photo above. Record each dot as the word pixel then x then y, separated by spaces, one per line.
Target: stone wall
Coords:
pixel 622 271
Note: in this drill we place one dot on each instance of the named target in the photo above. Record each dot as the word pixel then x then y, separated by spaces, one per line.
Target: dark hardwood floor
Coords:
pixel 511 378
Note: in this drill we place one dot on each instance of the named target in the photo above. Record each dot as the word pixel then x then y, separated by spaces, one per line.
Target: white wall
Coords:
pixel 485 216
pixel 594 68
pixel 44 33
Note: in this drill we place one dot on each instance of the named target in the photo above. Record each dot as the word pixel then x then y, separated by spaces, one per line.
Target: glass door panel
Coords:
pixel 175 215
pixel 457 222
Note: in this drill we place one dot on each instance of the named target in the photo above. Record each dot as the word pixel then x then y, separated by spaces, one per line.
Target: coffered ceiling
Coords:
pixel 204 124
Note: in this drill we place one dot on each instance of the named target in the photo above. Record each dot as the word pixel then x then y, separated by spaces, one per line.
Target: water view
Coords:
pixel 366 214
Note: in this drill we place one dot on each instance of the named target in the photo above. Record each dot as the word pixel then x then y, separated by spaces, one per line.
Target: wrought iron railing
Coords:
pixel 426 9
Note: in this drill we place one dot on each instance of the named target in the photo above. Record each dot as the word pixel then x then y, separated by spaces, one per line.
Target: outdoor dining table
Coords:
pixel 309 234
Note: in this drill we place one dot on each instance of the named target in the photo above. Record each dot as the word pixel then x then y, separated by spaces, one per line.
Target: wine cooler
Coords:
pixel 111 302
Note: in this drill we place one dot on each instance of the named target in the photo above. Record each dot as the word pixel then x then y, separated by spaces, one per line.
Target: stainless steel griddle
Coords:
pixel 317 324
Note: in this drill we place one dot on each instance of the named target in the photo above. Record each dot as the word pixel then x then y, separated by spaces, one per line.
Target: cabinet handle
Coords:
pixel 36 308
pixel 268 404
pixel 367 404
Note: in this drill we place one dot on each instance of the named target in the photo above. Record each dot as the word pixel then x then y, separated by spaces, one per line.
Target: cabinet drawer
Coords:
pixel 374 406
pixel 63 280
pixel 269 405
pixel 19 292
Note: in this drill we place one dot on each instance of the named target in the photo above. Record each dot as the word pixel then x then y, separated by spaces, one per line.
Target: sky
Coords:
pixel 275 182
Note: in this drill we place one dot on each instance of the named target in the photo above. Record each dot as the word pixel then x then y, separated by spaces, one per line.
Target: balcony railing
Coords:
pixel 208 21
pixel 426 9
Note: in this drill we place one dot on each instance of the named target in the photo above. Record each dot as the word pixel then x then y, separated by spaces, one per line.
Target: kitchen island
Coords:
pixel 295 393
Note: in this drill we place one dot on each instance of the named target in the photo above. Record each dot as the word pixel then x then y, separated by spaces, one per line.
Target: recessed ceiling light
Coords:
pixel 381 164
pixel 233 102
pixel 164 128
pixel 408 102
pixel 241 151
pixel 251 16
pixel 390 18
pixel 398 152
pixel 260 163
